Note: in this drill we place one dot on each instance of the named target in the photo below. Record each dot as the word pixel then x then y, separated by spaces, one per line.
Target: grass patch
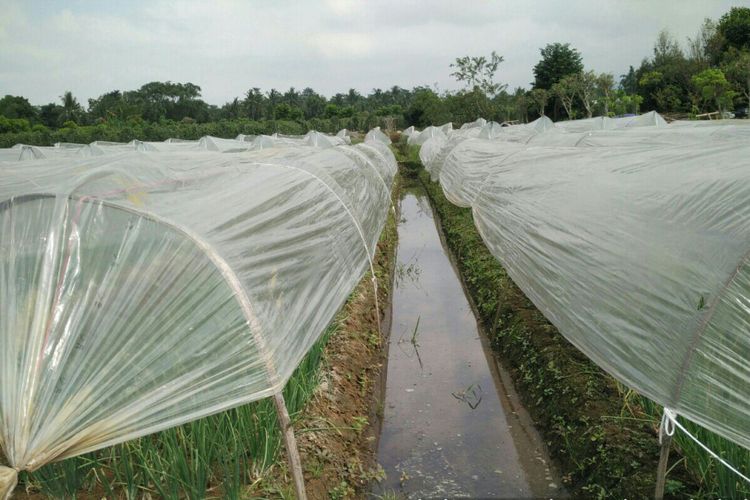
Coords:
pixel 215 456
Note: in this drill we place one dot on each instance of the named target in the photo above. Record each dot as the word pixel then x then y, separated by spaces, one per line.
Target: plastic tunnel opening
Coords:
pixel 130 303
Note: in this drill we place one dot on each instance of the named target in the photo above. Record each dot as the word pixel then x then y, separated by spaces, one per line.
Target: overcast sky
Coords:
pixel 228 46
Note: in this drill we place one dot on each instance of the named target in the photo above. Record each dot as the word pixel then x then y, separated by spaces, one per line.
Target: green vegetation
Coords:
pixel 711 73
pixel 602 435
pixel 714 87
pixel 715 480
pixel 39 135
pixel 558 61
pixel 217 455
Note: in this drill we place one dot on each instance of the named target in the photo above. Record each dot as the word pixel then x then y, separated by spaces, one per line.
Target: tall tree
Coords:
pixel 664 80
pixel 71 109
pixel 354 99
pixel 629 81
pixel 539 98
pixel 521 99
pixel 704 47
pixel 586 85
pixel 566 90
pixel 313 104
pixel 427 108
pixel 558 60
pixel 605 83
pixel 479 73
pixel 12 106
pixel 734 28
pixel 232 110
pixel 713 86
pixel 170 100
pixel 292 97
pixel 254 104
pixel 737 69
pixel 113 104
pixel 666 49
pixel 50 114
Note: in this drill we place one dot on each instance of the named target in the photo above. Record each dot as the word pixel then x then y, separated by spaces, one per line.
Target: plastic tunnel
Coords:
pixel 634 241
pixel 144 289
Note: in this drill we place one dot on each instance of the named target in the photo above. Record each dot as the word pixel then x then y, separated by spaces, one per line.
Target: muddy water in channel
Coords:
pixel 452 424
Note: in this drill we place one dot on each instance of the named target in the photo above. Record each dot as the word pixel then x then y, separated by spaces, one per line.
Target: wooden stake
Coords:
pixel 661 470
pixel 290 442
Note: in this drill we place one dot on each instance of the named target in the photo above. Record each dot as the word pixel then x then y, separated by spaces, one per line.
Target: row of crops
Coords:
pixel 145 285
pixel 631 236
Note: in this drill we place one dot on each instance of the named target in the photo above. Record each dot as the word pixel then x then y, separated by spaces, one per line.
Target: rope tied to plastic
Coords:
pixel 667 427
pixel 374 280
pixel 8 481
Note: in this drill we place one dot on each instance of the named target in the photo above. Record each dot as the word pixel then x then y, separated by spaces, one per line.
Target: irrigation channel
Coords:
pixel 453 425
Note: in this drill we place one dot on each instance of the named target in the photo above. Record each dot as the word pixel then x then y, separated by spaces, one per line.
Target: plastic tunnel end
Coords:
pixel 8 481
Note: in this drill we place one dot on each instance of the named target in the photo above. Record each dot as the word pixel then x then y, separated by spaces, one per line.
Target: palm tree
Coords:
pixel 71 107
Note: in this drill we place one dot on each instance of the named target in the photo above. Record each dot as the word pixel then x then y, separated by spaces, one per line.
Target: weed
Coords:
pixel 342 490
pixel 359 424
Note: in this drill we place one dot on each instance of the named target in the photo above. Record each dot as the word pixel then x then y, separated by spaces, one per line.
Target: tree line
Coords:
pixel 710 73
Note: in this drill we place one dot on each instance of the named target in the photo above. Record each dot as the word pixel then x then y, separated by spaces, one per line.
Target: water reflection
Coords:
pixel 448 429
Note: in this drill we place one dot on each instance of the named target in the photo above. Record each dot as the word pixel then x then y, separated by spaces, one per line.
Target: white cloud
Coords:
pixel 343 46
pixel 343 7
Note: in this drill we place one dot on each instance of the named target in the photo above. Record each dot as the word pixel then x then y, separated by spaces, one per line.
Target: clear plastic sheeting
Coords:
pixel 419 138
pixel 442 149
pixel 491 130
pixel 344 134
pixel 637 250
pixel 210 143
pixel 319 140
pixel 21 152
pixel 650 119
pixel 467 166
pixel 377 135
pixel 435 151
pixel 148 288
pixel 478 123
pixel 245 138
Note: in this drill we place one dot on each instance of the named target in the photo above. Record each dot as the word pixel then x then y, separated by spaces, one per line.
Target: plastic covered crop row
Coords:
pixel 634 243
pixel 144 289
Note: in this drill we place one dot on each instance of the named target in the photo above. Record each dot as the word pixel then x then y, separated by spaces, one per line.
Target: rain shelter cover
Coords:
pixel 478 123
pixel 344 134
pixel 419 138
pixel 435 151
pixel 377 135
pixel 637 251
pixel 141 290
pixel 491 130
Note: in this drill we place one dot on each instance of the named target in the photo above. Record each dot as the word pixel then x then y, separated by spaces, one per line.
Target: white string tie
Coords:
pixel 669 422
pixel 666 427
